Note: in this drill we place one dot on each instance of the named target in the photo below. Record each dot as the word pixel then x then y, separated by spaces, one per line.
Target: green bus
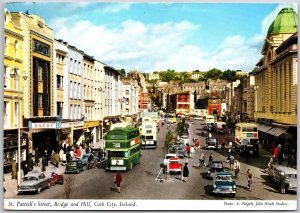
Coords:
pixel 123 148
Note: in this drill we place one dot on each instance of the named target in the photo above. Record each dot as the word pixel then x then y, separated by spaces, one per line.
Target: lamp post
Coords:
pixel 16 75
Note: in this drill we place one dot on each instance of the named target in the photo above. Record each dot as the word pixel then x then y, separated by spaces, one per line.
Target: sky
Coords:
pixel 158 36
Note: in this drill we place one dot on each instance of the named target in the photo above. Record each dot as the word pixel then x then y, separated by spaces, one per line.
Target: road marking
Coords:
pixel 159 174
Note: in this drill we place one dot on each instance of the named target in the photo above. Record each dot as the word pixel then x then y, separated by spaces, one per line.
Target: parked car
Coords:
pixel 213 168
pixel 224 183
pixel 275 172
pixel 56 178
pixel 186 139
pixel 175 166
pixel 212 143
pixel 74 166
pixel 34 182
pixel 85 157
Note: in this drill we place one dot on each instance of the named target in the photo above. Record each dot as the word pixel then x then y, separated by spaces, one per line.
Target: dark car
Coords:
pixel 74 166
pixel 85 157
pixel 214 167
pixel 224 183
pixel 248 146
pixel 211 143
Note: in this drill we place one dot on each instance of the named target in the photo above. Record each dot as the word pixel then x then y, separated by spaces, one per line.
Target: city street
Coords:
pixel 147 181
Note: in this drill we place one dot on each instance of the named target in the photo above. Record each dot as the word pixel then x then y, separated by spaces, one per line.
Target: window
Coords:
pixel 6 45
pixel 127 92
pixel 16 80
pixel 59 80
pixel 16 49
pixel 6 77
pixel 40 73
pixel 5 114
pixel 40 100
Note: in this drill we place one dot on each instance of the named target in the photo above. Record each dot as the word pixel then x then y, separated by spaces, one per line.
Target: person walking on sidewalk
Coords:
pixel 44 163
pixel 25 169
pixel 282 183
pixel 30 163
pixel 14 170
pixel 118 181
pixel 36 157
pixel 236 168
pixel 185 172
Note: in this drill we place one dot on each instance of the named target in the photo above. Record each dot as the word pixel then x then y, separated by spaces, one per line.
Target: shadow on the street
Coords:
pixel 113 189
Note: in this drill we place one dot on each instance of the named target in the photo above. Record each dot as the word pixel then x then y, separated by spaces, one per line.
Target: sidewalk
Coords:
pixel 11 184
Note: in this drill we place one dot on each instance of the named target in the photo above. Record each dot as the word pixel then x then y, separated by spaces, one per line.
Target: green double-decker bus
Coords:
pixel 123 148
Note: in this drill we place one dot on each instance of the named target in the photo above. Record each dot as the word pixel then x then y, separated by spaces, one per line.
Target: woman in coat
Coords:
pixel 185 172
pixel 14 170
pixel 118 180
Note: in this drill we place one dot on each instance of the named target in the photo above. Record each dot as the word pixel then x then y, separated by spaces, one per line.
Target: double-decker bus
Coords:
pixel 149 134
pixel 123 148
pixel 246 137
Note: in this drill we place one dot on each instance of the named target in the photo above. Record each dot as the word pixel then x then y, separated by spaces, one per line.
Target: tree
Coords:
pixel 182 127
pixel 122 72
pixel 167 76
pixel 213 74
pixel 169 140
pixel 229 75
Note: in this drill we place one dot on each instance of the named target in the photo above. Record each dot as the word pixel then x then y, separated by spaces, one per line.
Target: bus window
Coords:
pixel 149 137
pixel 249 129
pixel 116 154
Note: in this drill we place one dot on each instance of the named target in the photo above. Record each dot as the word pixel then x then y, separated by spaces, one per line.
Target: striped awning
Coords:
pixel 263 127
pixel 277 131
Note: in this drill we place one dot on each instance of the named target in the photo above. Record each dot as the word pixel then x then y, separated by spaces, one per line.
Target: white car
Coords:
pixel 185 139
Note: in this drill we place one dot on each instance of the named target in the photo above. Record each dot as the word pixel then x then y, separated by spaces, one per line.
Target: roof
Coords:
pixel 246 124
pixel 285 22
pixel 285 169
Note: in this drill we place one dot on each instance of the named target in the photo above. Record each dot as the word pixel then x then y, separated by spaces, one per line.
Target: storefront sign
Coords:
pixel 42 125
pixel 41 48
pixel 71 124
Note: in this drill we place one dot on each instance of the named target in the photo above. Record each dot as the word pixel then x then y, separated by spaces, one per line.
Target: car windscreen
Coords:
pixel 216 165
pixel 224 177
pixel 290 176
pixel 72 164
pixel 30 178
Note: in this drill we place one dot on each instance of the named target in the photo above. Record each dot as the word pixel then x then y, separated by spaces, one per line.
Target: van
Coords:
pixel 220 127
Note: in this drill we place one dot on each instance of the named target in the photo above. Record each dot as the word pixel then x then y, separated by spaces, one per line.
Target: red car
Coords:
pixel 175 165
pixel 56 178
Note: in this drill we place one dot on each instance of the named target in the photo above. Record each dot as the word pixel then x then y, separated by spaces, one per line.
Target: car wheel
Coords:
pixel 39 189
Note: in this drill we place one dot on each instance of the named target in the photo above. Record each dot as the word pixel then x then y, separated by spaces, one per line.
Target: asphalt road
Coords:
pixel 146 180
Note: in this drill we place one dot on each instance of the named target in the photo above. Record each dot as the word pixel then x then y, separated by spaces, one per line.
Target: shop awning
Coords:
pixel 277 131
pixel 263 128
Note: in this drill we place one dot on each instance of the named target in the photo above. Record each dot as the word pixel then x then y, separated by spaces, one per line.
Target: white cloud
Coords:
pixel 153 47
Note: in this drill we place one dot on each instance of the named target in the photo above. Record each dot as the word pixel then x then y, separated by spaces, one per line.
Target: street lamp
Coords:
pixel 16 75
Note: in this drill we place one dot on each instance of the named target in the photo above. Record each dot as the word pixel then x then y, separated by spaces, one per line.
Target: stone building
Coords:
pixel 276 81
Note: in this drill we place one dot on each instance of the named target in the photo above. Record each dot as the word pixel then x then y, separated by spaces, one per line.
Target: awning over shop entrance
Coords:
pixel 263 128
pixel 276 131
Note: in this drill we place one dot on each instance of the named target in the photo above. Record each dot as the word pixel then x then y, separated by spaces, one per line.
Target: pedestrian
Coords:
pixel 282 183
pixel 44 163
pixel 188 150
pixel 202 160
pixel 78 153
pixel 197 144
pixel 249 178
pixel 46 158
pixel 209 134
pixel 236 168
pixel 118 181
pixel 210 158
pixel 56 159
pixel 185 172
pixel 231 162
pixel 275 152
pixel 14 170
pixel 36 157
pixel 228 155
pixel 25 169
pixel 68 157
pixel 30 163
pixel 61 154
pixel 87 149
pixel 280 154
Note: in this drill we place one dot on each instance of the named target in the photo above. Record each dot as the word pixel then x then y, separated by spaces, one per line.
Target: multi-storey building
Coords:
pixel 39 103
pixel 276 81
pixel 153 76
pixel 15 75
pixel 60 71
pixel 182 102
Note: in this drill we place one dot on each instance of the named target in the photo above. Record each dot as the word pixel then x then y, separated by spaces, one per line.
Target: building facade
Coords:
pixel 276 81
